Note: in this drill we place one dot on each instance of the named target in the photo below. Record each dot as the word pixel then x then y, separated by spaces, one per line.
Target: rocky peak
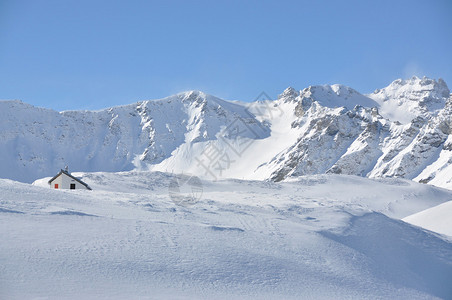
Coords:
pixel 290 93
pixel 404 100
pixel 415 89
pixel 192 96
pixel 336 95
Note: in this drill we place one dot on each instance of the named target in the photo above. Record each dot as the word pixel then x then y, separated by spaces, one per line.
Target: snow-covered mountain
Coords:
pixel 403 130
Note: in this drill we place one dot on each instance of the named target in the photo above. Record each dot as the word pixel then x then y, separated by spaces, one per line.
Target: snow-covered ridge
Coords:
pixel 403 100
pixel 403 130
pixel 34 142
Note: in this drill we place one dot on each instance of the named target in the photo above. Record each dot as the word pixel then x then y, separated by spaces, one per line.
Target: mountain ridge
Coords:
pixel 320 129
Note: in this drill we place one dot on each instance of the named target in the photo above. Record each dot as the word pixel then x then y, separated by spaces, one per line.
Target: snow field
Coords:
pixel 316 237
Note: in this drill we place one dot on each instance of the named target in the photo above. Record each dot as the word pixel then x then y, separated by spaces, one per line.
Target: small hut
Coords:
pixel 64 180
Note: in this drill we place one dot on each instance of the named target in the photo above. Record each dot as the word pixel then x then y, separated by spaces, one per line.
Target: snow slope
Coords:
pixel 317 237
pixel 402 131
pixel 35 141
pixel 437 219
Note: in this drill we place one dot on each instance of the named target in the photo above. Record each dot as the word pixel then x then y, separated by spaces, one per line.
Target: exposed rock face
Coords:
pixel 35 142
pixel 403 130
pixel 366 143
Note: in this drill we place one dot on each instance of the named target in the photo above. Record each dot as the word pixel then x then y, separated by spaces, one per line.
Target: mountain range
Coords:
pixel 403 130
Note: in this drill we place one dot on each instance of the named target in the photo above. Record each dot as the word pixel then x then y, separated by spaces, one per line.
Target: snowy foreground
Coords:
pixel 316 237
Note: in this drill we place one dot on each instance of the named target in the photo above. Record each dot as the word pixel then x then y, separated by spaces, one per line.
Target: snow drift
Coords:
pixel 315 237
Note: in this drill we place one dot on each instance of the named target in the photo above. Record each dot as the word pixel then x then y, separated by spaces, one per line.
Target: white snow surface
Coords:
pixel 437 219
pixel 404 100
pixel 311 237
pixel 402 131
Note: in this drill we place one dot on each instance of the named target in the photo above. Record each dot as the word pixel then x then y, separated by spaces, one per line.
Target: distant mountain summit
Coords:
pixel 402 130
pixel 403 100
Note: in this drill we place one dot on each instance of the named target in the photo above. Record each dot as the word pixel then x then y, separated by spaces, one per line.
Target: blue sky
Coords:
pixel 95 54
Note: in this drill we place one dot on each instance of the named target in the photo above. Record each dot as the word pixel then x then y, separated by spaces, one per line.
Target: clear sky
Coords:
pixel 98 53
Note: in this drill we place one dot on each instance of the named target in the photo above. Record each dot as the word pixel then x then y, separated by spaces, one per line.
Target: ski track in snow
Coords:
pixel 317 237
